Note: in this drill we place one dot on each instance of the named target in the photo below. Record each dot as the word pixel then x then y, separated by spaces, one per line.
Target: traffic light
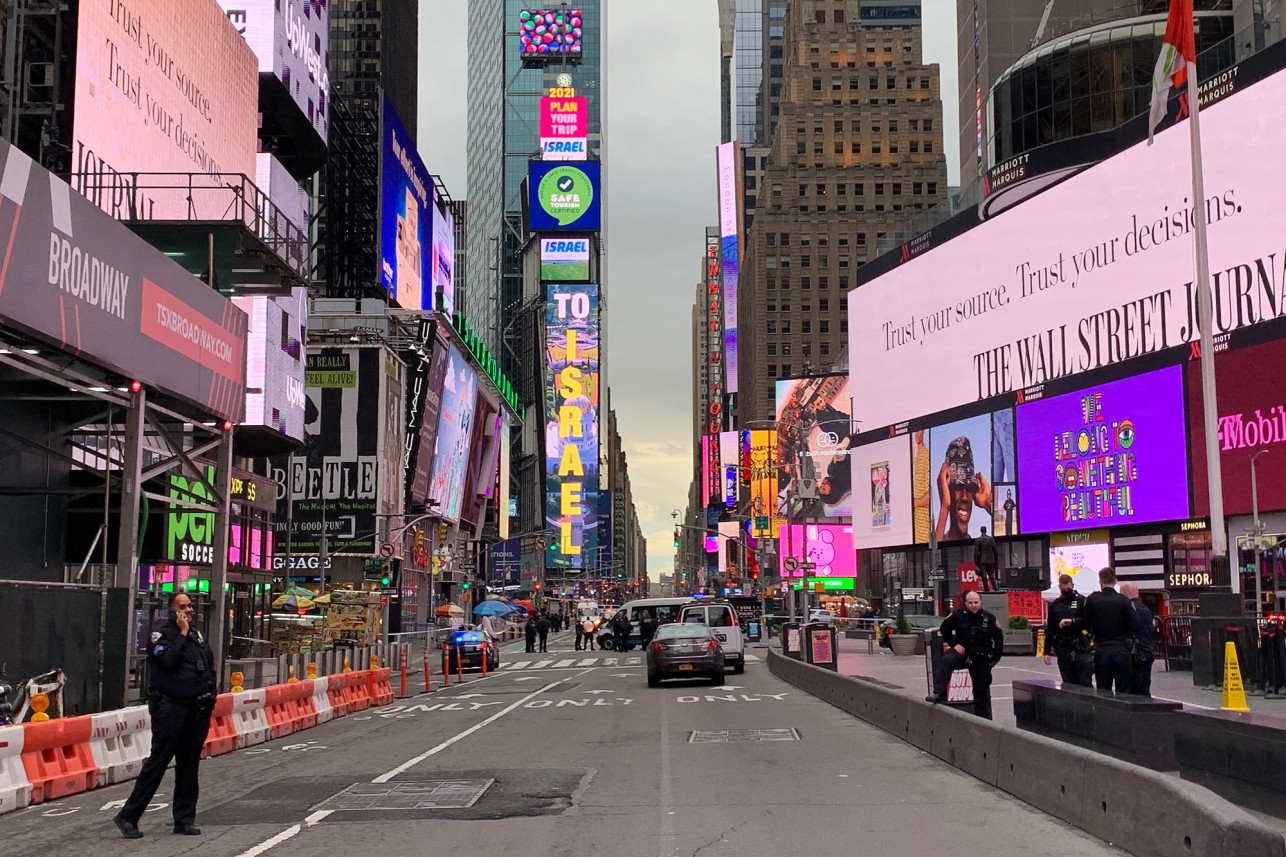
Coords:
pixel 442 531
pixel 537 584
pixel 417 538
pixel 676 537
pixel 386 576
pixel 465 586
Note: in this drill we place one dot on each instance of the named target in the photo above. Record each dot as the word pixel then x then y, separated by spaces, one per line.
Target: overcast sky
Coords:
pixel 662 127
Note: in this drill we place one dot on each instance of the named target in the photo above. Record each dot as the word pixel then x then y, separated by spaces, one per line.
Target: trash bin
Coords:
pixel 820 646
pixel 960 686
pixel 790 640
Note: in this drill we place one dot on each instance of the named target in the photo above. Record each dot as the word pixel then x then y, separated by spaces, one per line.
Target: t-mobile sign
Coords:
pixel 1114 453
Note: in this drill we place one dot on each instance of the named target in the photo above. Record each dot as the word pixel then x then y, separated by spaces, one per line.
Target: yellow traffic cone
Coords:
pixel 1234 695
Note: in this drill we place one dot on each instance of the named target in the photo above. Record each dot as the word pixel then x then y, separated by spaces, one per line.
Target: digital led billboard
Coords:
pixel 283 190
pixel 291 39
pixel 571 423
pixel 1095 271
pixel 550 33
pixel 455 433
pixel 813 431
pixel 759 474
pixel 960 493
pixel 565 259
pixel 443 257
pixel 712 395
pixel 406 216
pixel 1111 454
pixel 882 502
pixel 162 86
pixel 275 361
pixel 828 546
pixel 564 129
pixel 563 196
pixel 729 160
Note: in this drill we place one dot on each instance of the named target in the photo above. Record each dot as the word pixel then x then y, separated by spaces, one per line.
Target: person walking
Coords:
pixel 1141 678
pixel 1112 622
pixel 182 689
pixel 542 628
pixel 1065 635
pixel 588 627
pixel 580 636
pixel 530 633
pixel 975 642
pixel 984 558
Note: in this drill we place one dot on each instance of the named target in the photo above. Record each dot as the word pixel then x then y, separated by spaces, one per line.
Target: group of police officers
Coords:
pixel 1105 639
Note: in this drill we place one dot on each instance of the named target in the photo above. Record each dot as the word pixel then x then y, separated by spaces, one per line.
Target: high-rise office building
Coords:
pixel 858 150
pixel 374 47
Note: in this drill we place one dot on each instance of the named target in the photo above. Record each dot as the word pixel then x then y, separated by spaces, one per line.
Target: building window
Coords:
pixel 839 147
pixel 823 283
pixel 821 16
pixel 928 124
pixel 772 349
pixel 826 348
pixel 824 240
pixel 785 261
pixel 785 348
pixel 843 239
pixel 893 148
pixel 824 304
pixel 873 83
pixel 843 325
pixel 933 188
pixel 785 370
pixel 772 370
pixel 915 124
pixel 785 327
pixel 823 326
pixel 772 327
pixel 843 261
pixel 817 84
pixel 772 284
pixel 861 238
pixel 803 190
pixel 841 189
pixel 843 282
pixel 897 188
pixel 875 148
pixel 785 239
pixel 890 83
pixel 772 239
pixel 915 146
pixel 856 148
pixel 770 262
pixel 805 261
pixel 799 147
pixel 928 146
pixel 776 190
pixel 839 126
pixel 785 307
pixel 785 284
pixel 806 239
pixel 805 282
pixel 807 326
pixel 821 190
pixel 859 189
pixel 917 188
pixel 924 84
pixel 879 188
pixel 843 303
pixel 817 147
pixel 800 128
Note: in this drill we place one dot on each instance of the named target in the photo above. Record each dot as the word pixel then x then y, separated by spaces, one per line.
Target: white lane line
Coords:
pixel 665 842
pixel 273 842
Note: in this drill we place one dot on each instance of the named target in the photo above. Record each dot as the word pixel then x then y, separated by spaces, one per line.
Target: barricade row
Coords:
pixel 56 758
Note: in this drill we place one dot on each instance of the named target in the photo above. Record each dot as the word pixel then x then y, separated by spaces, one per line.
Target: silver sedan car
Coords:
pixel 684 651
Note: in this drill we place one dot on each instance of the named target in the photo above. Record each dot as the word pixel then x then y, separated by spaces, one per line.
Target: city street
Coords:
pixel 568 759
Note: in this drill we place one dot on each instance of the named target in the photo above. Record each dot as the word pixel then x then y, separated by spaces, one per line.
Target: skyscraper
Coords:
pixel 374 46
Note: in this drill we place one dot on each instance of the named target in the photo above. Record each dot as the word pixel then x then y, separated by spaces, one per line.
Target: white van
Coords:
pixel 662 610
pixel 722 619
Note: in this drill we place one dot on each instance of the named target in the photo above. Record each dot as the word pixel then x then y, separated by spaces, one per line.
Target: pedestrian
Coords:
pixel 621 626
pixel 1141 680
pixel 1065 635
pixel 984 559
pixel 1112 623
pixel 975 642
pixel 530 633
pixel 647 629
pixel 580 637
pixel 181 696
pixel 589 633
pixel 542 628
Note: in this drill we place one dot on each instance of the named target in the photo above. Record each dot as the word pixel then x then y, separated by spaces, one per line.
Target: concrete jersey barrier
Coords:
pixel 1101 795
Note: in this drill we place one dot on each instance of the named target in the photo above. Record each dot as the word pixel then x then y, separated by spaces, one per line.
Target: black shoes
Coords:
pixel 936 698
pixel 127 828
pixel 187 830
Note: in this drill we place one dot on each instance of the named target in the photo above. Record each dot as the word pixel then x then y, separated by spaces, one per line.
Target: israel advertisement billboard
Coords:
pixel 1112 454
pixel 565 259
pixel 563 196
pixel 105 294
pixel 406 216
pixel 1092 273
pixel 291 39
pixel 275 361
pixel 571 423
pixel 564 129
pixel 162 86
pixel 455 435
pixel 813 431
pixel 729 165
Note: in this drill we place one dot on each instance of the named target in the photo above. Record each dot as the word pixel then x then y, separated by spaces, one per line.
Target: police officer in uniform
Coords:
pixel 1065 635
pixel 1113 623
pixel 974 641
pixel 182 695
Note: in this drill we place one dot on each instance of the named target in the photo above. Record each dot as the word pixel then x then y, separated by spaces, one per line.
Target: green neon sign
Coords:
pixel 827 583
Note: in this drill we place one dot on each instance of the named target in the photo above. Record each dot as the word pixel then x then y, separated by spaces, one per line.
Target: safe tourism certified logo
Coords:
pixel 566 193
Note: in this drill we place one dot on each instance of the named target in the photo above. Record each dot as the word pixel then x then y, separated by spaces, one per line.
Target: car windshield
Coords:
pixel 695 632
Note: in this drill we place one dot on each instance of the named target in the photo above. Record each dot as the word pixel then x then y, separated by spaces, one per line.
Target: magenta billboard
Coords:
pixel 1111 454
pixel 729 228
pixel 829 547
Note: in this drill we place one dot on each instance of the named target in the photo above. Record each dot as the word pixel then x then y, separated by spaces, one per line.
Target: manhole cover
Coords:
pixel 429 794
pixel 728 736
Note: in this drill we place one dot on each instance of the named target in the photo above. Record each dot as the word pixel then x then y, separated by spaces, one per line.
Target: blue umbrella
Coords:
pixel 493 608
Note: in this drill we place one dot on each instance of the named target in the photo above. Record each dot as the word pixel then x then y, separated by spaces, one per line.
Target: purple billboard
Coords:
pixel 1114 453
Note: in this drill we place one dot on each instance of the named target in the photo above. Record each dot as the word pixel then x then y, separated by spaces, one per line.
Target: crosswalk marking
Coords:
pixel 516 666
pixel 588 662
pixel 565 663
pixel 541 664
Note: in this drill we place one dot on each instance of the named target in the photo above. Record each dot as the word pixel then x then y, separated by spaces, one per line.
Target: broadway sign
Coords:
pixel 73 276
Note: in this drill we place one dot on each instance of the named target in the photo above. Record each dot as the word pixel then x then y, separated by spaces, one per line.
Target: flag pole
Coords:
pixel 1219 561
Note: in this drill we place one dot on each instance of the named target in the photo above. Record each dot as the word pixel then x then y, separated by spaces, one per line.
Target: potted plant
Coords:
pixel 902 640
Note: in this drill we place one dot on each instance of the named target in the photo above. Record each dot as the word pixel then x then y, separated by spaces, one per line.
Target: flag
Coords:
pixel 1178 52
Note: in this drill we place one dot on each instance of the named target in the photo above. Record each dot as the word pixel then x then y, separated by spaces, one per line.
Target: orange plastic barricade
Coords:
pixel 276 711
pixel 222 737
pixel 15 790
pixel 335 693
pixel 57 758
pixel 299 701
pixel 248 716
pixel 378 687
pixel 355 691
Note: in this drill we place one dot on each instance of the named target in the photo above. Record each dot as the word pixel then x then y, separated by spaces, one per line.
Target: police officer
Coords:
pixel 1141 680
pixel 1113 623
pixel 974 641
pixel 1066 638
pixel 182 695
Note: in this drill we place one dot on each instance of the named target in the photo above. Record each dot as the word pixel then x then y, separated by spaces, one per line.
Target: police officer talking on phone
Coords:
pixel 181 697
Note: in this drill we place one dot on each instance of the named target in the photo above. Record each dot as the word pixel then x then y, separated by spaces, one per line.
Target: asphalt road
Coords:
pixel 575 759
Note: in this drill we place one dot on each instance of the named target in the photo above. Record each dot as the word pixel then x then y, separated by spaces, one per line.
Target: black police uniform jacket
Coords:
pixel 182 667
pixel 1072 638
pixel 977 632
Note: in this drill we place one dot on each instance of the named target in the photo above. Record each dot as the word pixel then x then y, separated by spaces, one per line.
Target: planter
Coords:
pixel 903 644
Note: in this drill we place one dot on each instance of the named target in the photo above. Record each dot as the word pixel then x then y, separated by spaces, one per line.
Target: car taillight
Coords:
pixel 713 644
pixel 659 647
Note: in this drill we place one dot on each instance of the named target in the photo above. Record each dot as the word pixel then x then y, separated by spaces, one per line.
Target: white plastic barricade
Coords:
pixel 15 789
pixel 120 741
pixel 248 717
pixel 321 701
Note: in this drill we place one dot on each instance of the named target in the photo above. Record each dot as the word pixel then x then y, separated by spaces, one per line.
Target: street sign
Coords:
pixel 808 565
pixel 386 550
pixel 761 522
pixel 541 543
pixel 790 563
pixel 935 576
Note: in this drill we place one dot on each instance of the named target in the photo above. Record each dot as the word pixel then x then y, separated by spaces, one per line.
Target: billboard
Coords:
pixel 828 546
pixel 729 161
pixel 443 258
pixel 291 40
pixel 571 423
pixel 1093 272
pixel 162 86
pixel 103 293
pixel 455 433
pixel 960 496
pixel 713 373
pixel 564 259
pixel 275 361
pixel 882 502
pixel 283 189
pixel 563 196
pixel 564 129
pixel 406 216
pixel 759 476
pixel 1111 454
pixel 813 431
pixel 550 33
pixel 425 407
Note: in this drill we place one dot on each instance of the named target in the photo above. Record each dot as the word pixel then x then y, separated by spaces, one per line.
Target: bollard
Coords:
pixel 237 678
pixel 292 679
pixel 484 660
pixel 312 671
pixel 428 685
pixel 404 676
pixel 39 702
pixel 459 667
pixel 446 668
pixel 346 668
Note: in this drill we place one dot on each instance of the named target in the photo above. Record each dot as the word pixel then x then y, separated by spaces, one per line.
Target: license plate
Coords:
pixel 685 666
